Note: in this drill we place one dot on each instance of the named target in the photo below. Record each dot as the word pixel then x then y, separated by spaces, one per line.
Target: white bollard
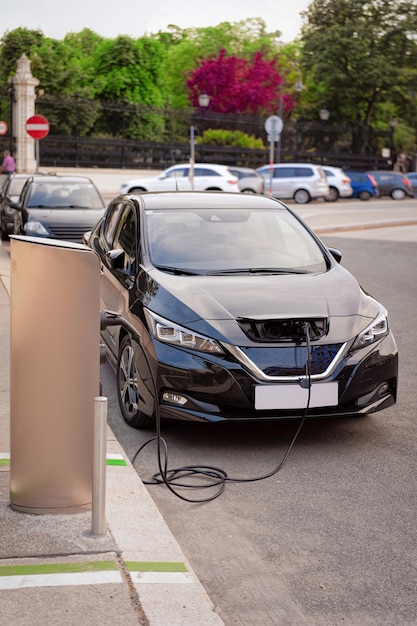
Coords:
pixel 98 518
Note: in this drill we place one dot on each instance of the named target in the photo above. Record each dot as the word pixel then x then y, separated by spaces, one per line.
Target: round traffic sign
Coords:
pixel 3 128
pixel 273 125
pixel 37 126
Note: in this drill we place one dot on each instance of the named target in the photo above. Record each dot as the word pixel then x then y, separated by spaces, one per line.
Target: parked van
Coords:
pixel 301 182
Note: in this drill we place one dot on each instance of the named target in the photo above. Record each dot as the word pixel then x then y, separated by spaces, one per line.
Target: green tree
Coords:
pixel 359 56
pixel 187 49
pixel 12 45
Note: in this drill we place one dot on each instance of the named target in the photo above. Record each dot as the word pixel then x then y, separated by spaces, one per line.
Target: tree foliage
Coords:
pixel 236 85
pixel 359 55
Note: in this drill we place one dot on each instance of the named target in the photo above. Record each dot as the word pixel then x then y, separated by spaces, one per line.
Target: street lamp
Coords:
pixel 203 102
pixel 324 116
pixel 393 125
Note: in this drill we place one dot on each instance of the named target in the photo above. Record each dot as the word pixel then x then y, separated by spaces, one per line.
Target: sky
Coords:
pixel 56 18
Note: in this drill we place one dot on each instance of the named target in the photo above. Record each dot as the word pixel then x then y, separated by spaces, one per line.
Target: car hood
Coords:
pixel 211 304
pixel 79 216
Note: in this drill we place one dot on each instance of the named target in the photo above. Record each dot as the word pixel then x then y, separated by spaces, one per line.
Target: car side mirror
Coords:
pixel 336 254
pixel 15 206
pixel 115 260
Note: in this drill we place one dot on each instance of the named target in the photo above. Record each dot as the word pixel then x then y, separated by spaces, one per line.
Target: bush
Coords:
pixel 234 138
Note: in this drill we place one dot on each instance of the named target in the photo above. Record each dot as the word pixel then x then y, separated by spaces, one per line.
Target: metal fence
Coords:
pixel 121 135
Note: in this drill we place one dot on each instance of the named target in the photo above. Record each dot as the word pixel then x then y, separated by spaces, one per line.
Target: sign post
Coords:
pixel 37 127
pixel 273 126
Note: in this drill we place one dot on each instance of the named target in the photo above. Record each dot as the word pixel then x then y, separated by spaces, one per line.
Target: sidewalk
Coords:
pixel 53 570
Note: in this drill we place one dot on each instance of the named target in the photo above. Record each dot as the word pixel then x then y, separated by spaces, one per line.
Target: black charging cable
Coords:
pixel 214 476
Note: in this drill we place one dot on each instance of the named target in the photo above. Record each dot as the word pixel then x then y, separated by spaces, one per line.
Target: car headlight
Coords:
pixel 176 335
pixel 374 332
pixel 35 228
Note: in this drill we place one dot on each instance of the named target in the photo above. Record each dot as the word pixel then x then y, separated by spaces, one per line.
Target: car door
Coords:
pixel 284 182
pixel 175 179
pixel 118 236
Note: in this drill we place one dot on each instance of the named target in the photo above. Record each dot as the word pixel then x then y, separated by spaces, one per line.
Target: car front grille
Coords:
pixel 69 232
pixel 291 361
pixel 284 330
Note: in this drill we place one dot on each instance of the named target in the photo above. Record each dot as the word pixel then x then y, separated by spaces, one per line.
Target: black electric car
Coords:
pixel 238 311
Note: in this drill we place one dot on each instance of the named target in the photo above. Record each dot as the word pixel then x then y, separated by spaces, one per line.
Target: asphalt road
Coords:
pixel 331 538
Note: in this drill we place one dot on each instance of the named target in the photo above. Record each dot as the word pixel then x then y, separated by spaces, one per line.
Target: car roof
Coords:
pixel 241 169
pixel 291 164
pixel 166 200
pixel 198 165
pixel 332 168
pixel 45 178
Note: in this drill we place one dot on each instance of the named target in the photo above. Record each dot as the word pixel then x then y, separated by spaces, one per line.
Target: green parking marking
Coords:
pixel 155 566
pixel 110 461
pixel 58 568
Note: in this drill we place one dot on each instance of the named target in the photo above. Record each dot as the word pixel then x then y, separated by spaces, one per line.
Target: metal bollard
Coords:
pixel 98 518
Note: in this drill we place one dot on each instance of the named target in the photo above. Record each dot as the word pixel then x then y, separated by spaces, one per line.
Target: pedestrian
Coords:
pixel 8 165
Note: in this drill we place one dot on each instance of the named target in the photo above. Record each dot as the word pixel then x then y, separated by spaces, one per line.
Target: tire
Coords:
pixel 302 196
pixel 398 194
pixel 364 195
pixel 333 195
pixel 248 191
pixel 137 190
pixel 128 379
pixel 213 189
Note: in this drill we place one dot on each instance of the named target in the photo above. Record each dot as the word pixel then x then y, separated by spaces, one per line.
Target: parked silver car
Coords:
pixel 301 182
pixel 250 181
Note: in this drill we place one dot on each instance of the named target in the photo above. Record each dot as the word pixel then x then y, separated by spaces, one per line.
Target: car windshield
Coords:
pixel 66 195
pixel 205 241
pixel 16 186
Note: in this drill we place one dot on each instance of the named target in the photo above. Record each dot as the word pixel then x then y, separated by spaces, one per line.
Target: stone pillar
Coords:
pixel 23 108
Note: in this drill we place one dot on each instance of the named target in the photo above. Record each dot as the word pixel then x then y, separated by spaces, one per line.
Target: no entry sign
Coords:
pixel 37 126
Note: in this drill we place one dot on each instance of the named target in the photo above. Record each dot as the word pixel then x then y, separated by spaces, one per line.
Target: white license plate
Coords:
pixel 269 397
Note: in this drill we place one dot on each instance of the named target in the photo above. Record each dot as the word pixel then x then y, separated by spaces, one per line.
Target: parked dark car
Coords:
pixel 363 184
pixel 10 192
pixel 394 184
pixel 238 312
pixel 412 177
pixel 249 180
pixel 61 207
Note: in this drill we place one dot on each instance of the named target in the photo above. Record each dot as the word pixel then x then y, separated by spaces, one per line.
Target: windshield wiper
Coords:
pixel 175 270
pixel 258 270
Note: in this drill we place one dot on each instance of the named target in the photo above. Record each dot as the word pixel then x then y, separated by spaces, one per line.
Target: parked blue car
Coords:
pixel 412 177
pixel 363 184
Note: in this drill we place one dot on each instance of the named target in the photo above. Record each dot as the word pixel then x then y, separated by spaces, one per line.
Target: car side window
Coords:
pixel 110 224
pixel 127 235
pixel 284 172
pixel 204 171
pixel 180 172
pixel 303 171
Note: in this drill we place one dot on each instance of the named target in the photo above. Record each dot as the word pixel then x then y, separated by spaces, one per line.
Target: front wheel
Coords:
pixel 128 381
pixel 398 194
pixel 302 196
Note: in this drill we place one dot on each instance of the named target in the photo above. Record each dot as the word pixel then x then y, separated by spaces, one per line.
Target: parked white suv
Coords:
pixel 207 177
pixel 301 182
pixel 339 183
